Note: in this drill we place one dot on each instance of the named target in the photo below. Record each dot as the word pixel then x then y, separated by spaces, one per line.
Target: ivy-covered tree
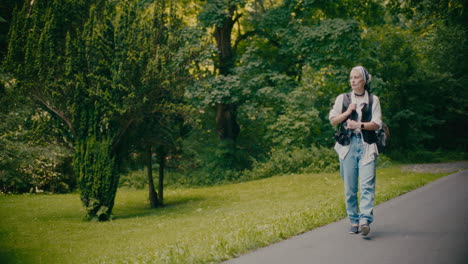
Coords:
pixel 97 68
pixel 6 14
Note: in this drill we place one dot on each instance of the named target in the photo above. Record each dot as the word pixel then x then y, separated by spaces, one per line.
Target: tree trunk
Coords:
pixel 153 196
pixel 94 164
pixel 226 124
pixel 226 117
pixel 162 165
pixel 222 35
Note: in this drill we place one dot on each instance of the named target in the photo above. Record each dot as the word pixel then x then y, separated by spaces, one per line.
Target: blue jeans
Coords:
pixel 351 171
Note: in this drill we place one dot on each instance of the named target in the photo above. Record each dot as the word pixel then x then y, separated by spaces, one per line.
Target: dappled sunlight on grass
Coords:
pixel 197 225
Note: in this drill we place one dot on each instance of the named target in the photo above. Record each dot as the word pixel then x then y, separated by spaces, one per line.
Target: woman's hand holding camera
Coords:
pixel 351 124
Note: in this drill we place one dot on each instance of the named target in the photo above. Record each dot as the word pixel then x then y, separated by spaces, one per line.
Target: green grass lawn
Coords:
pixel 198 225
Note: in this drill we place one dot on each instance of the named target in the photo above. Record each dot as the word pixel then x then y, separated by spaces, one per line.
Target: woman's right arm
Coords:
pixel 342 117
pixel 336 117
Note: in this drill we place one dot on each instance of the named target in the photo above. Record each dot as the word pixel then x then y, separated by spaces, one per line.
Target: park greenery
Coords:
pixel 214 91
pixel 198 225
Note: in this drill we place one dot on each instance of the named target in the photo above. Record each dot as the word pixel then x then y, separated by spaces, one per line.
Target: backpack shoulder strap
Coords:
pixel 346 101
pixel 367 110
pixel 371 101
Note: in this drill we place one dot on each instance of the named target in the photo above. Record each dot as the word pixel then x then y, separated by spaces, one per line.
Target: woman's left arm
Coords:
pixel 376 121
pixel 351 124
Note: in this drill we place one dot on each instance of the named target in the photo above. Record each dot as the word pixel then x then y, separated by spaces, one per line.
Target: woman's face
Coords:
pixel 356 81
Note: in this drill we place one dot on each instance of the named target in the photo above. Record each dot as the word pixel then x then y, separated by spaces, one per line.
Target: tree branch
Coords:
pixel 244 36
pixel 236 18
pixel 58 113
pixel 122 133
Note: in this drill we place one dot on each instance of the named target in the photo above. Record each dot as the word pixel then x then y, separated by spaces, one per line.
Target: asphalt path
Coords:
pixel 426 226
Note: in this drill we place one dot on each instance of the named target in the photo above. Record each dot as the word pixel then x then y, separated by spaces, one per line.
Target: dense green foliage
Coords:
pixel 217 90
pixel 29 159
pixel 90 69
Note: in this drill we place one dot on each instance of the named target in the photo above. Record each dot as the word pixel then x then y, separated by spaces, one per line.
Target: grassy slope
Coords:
pixel 197 226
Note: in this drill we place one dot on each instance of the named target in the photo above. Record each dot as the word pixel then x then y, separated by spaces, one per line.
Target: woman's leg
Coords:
pixel 367 186
pixel 349 173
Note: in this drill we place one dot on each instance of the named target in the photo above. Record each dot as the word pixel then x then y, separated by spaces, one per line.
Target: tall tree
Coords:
pixel 439 31
pixel 223 15
pixel 171 47
pixel 297 46
pixel 97 68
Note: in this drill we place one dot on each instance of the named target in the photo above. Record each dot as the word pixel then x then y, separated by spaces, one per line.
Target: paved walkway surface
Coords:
pixel 428 225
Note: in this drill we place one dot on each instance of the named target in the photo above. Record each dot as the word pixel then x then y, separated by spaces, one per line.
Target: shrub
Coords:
pixel 295 160
pixel 383 161
pixel 427 156
pixel 137 179
pixel 27 168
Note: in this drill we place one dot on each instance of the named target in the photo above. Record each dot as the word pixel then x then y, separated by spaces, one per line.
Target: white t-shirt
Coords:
pixel 370 150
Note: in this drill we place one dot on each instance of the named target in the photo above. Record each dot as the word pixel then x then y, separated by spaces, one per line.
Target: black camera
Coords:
pixel 342 137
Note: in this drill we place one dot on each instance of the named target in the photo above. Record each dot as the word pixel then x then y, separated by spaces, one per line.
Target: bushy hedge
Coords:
pixel 281 161
pixel 295 160
pixel 26 168
pixel 315 159
pixel 427 156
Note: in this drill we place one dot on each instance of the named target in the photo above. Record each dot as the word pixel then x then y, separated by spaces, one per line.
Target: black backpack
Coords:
pixel 383 134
